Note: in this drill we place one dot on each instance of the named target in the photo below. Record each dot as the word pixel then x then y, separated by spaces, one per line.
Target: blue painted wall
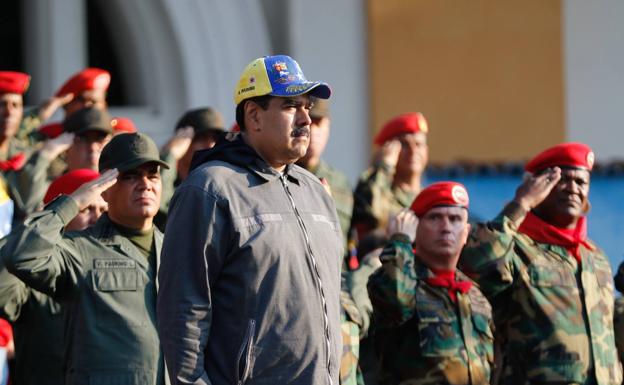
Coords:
pixel 489 193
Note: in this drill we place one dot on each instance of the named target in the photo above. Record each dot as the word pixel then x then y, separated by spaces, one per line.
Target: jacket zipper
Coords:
pixel 317 276
pixel 245 350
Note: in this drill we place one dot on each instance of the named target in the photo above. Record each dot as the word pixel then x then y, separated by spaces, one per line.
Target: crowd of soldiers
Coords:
pixel 240 256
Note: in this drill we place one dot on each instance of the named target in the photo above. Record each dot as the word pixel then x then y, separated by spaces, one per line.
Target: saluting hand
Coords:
pixel 405 222
pixel 179 144
pixel 535 188
pixel 54 147
pixel 90 192
pixel 50 105
pixel 389 152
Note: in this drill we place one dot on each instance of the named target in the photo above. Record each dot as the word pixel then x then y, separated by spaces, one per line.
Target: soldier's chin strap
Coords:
pixel 544 232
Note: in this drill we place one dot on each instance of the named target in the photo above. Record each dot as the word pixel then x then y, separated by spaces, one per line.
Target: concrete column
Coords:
pixel 55 41
pixel 328 38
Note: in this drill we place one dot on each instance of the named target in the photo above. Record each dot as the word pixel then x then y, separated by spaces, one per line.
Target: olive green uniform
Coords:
pixel 422 336
pixel 28 185
pixel 37 322
pixel 554 313
pixel 341 191
pixel 107 286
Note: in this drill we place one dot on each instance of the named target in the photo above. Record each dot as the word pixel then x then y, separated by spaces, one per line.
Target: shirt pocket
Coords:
pixel 485 347
pixel 119 297
pixel 547 276
pixel 437 331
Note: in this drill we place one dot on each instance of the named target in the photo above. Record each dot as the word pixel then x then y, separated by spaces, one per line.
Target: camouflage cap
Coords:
pixel 202 120
pixel 88 119
pixel 129 151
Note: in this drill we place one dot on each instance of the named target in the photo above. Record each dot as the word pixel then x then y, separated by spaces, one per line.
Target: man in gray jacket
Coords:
pixel 250 273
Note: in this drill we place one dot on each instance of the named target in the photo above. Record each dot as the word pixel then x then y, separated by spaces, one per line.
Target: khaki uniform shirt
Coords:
pixel 108 289
pixel 37 322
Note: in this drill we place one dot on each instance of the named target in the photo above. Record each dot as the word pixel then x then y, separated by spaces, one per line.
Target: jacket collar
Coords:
pixel 106 233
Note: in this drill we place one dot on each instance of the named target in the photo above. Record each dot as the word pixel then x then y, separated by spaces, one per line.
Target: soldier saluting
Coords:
pixel 549 285
pixel 433 326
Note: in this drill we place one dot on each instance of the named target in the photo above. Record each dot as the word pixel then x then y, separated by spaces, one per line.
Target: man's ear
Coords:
pixel 466 233
pixel 105 195
pixel 252 116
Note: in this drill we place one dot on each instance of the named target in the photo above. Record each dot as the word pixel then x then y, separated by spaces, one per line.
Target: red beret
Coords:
pixel 6 333
pixel 440 194
pixel 577 155
pixel 412 122
pixel 85 80
pixel 12 82
pixel 68 183
pixel 52 130
pixel 121 125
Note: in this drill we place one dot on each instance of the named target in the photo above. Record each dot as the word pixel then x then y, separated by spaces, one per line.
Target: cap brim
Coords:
pixel 317 89
pixel 136 162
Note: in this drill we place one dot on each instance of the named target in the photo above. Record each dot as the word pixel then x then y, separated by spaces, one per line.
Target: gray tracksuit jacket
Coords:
pixel 250 274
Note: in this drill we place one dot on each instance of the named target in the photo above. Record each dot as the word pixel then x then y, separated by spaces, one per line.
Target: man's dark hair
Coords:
pixel 262 101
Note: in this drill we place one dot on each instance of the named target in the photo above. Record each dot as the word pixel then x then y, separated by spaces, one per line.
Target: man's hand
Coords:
pixel 535 188
pixel 179 144
pixel 405 222
pixel 389 153
pixel 54 147
pixel 89 193
pixel 50 105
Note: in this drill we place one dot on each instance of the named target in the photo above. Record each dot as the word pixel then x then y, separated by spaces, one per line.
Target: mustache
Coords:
pixel 300 131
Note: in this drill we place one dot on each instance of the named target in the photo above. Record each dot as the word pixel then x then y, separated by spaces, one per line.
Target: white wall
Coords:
pixel 185 54
pixel 328 38
pixel 594 74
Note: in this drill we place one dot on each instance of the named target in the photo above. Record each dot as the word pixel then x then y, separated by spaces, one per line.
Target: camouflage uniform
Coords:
pixel 556 317
pixel 618 327
pixel 375 200
pixel 28 185
pixel 618 313
pixel 28 132
pixel 422 336
pixel 350 323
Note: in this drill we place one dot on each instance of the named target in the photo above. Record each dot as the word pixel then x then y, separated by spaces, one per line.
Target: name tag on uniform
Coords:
pixel 114 264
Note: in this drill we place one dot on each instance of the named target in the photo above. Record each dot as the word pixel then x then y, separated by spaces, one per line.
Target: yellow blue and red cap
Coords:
pixel 278 75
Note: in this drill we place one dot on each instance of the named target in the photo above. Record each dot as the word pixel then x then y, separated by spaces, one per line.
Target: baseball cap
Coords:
pixel 202 120
pixel 88 119
pixel 129 151
pixel 278 75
